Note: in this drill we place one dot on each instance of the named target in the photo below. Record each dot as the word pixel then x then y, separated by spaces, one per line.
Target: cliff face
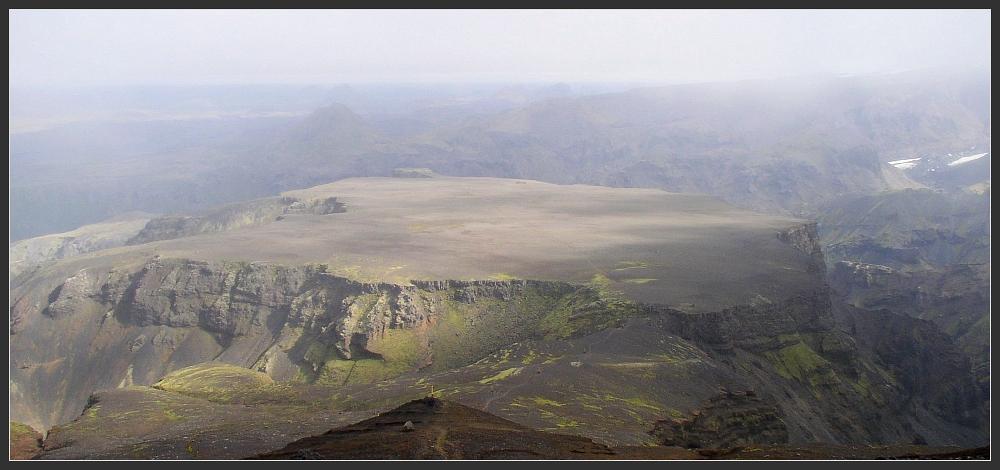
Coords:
pixel 887 378
pixel 870 377
pixel 805 238
pixel 111 328
pixel 955 298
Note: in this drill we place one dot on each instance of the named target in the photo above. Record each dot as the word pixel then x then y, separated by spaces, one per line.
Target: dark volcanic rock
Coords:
pixel 926 364
pixel 955 298
pixel 728 420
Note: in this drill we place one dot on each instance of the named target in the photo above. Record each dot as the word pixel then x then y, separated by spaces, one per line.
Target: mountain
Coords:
pixel 586 310
pixel 774 146
pixel 908 230
pixel 779 146
pixel 817 273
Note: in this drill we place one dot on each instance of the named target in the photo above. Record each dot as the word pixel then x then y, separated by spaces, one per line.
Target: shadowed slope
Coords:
pixel 430 428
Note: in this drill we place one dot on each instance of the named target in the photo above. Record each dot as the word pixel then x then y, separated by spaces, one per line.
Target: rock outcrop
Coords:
pixel 730 419
pixel 233 216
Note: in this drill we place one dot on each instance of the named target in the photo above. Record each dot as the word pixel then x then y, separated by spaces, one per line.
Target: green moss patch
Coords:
pixel 215 381
pixel 21 431
pixel 502 375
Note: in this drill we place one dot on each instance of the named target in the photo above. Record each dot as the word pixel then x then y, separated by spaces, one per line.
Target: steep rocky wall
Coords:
pixel 887 380
pixel 925 362
pixel 955 298
pixel 744 326
pixel 805 238
pixel 106 328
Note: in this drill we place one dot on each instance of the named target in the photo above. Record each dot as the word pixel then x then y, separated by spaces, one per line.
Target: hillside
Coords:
pixel 585 310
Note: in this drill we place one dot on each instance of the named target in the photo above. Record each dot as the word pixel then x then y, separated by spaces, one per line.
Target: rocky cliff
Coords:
pixel 132 326
pixel 955 298
pixel 122 327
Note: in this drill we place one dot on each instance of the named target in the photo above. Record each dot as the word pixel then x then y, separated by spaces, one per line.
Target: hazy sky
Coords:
pixel 52 47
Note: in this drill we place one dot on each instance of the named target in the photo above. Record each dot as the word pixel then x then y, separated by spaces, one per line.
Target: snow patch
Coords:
pixel 905 164
pixel 967 159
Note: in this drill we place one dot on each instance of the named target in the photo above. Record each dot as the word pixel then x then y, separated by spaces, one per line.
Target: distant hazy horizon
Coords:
pixel 643 47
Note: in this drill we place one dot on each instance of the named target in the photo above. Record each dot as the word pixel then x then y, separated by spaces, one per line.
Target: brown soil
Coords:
pixel 25 442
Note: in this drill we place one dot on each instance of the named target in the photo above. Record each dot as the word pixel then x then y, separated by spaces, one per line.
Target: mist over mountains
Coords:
pixel 779 146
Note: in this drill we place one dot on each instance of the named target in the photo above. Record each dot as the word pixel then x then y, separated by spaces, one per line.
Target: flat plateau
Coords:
pixel 695 252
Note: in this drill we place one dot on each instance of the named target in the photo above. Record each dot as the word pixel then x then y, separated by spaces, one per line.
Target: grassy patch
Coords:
pixel 503 277
pixel 797 361
pixel 801 363
pixel 863 385
pixel 532 356
pixel 502 375
pixel 554 359
pixel 603 284
pixel 623 265
pixel 214 381
pixel 400 351
pixel 645 370
pixel 334 372
pixel 634 401
pixel 173 416
pixel 18 431
pixel 583 312
pixel 673 413
pixel 542 401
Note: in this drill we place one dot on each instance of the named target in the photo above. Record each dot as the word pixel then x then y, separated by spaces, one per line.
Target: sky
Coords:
pixel 102 47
